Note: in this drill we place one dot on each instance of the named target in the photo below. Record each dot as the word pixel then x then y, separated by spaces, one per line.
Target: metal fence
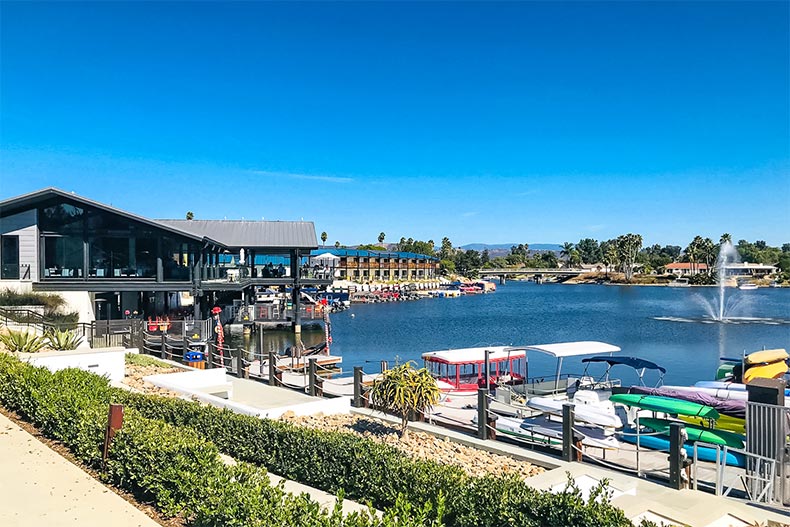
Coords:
pixel 767 430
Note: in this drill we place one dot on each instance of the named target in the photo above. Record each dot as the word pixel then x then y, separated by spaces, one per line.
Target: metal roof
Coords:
pixel 27 201
pixel 228 233
pixel 251 234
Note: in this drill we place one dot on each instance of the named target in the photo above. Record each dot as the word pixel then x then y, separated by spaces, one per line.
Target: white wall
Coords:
pixel 109 362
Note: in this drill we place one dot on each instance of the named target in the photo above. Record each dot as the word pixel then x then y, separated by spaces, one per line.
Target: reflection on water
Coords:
pixel 275 340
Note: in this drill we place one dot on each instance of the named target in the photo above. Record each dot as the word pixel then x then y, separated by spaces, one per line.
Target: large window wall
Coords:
pixel 90 243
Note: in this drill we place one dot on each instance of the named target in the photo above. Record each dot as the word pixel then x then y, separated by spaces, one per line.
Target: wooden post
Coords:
pixel 384 366
pixel 482 413
pixel 357 402
pixel 114 423
pixel 567 433
pixel 272 369
pixel 676 455
pixel 312 374
pixel 162 352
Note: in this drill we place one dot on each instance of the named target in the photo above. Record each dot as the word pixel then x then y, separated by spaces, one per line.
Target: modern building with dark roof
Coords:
pixel 108 261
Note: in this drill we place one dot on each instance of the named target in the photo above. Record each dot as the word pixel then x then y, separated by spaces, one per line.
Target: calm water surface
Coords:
pixel 662 324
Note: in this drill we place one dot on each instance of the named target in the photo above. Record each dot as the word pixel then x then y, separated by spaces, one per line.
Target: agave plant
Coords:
pixel 22 341
pixel 62 340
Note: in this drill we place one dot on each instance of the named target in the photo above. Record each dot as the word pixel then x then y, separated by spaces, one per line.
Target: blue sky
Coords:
pixel 485 122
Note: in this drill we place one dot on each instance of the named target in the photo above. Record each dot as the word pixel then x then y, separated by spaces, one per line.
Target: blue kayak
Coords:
pixel 661 443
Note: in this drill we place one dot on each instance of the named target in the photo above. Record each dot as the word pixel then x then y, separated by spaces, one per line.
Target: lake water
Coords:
pixel 662 324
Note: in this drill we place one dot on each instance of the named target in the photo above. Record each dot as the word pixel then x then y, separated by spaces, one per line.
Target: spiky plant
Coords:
pixel 403 391
pixel 22 341
pixel 62 340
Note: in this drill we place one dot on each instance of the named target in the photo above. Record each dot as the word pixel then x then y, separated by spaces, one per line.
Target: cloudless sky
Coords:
pixel 485 122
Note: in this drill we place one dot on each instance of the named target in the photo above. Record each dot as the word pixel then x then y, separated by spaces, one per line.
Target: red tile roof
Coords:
pixel 687 265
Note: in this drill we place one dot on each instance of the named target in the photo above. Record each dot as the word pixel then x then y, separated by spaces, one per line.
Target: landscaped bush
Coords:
pixel 53 303
pixel 166 454
pixel 367 470
pixel 170 467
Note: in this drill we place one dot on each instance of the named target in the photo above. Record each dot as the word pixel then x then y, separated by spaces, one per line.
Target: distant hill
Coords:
pixel 506 246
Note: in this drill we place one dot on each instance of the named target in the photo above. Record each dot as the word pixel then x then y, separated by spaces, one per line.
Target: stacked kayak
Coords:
pixel 768 364
pixel 683 409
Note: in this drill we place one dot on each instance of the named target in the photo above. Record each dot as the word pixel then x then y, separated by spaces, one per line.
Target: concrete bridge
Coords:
pixel 524 271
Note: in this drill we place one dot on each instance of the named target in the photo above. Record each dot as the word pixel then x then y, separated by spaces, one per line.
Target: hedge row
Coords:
pixel 334 462
pixel 367 470
pixel 171 467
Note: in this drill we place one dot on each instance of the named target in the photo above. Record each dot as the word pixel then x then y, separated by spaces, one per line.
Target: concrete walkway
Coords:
pixel 40 487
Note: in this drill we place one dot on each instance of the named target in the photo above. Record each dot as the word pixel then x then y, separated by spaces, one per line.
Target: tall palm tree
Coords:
pixel 567 248
pixel 337 245
pixel 725 238
pixel 381 237
pixel 323 238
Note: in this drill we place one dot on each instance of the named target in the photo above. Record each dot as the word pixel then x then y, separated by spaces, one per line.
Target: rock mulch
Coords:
pixel 420 445
pixel 134 377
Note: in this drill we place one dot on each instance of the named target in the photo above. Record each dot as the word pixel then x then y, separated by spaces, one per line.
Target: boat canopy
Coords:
pixel 571 349
pixel 635 362
pixel 475 355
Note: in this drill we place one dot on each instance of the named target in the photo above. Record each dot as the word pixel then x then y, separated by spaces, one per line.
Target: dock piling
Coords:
pixel 567 433
pixel 357 402
pixel 482 413
pixel 272 369
pixel 312 376
pixel 677 455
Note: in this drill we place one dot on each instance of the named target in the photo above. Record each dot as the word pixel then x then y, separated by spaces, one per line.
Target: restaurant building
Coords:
pixel 109 263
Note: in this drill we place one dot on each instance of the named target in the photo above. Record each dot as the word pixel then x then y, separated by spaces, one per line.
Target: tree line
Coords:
pixel 624 253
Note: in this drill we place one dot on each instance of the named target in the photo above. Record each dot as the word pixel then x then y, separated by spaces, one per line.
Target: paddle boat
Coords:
pixel 462 371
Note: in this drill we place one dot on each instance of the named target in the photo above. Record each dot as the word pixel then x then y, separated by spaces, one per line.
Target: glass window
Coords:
pixel 109 257
pixel 63 256
pixel 62 218
pixel 9 252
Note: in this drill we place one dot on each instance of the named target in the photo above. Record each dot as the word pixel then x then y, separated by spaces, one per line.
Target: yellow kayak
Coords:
pixel 766 371
pixel 725 422
pixel 766 357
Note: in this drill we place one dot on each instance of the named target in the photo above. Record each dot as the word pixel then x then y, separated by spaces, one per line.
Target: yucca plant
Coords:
pixel 22 341
pixel 62 340
pixel 404 390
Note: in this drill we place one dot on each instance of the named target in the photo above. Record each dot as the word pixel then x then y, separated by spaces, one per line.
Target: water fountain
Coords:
pixel 722 308
pixel 727 255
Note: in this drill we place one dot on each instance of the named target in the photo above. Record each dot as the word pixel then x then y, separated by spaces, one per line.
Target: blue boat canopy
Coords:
pixel 635 362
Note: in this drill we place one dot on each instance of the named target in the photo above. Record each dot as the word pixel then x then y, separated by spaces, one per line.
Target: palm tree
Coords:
pixel 567 248
pixel 725 238
pixel 190 215
pixel 381 237
pixel 403 391
pixel 323 238
pixel 337 245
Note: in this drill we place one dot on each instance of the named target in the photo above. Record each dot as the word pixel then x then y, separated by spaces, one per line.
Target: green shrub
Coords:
pixel 10 297
pixel 166 454
pixel 22 341
pixel 138 359
pixel 62 340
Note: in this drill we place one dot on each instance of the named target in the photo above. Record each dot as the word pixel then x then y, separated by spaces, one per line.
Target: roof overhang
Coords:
pixel 475 355
pixel 572 349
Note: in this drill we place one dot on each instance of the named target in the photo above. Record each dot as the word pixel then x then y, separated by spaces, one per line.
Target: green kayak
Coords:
pixel 697 433
pixel 667 405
